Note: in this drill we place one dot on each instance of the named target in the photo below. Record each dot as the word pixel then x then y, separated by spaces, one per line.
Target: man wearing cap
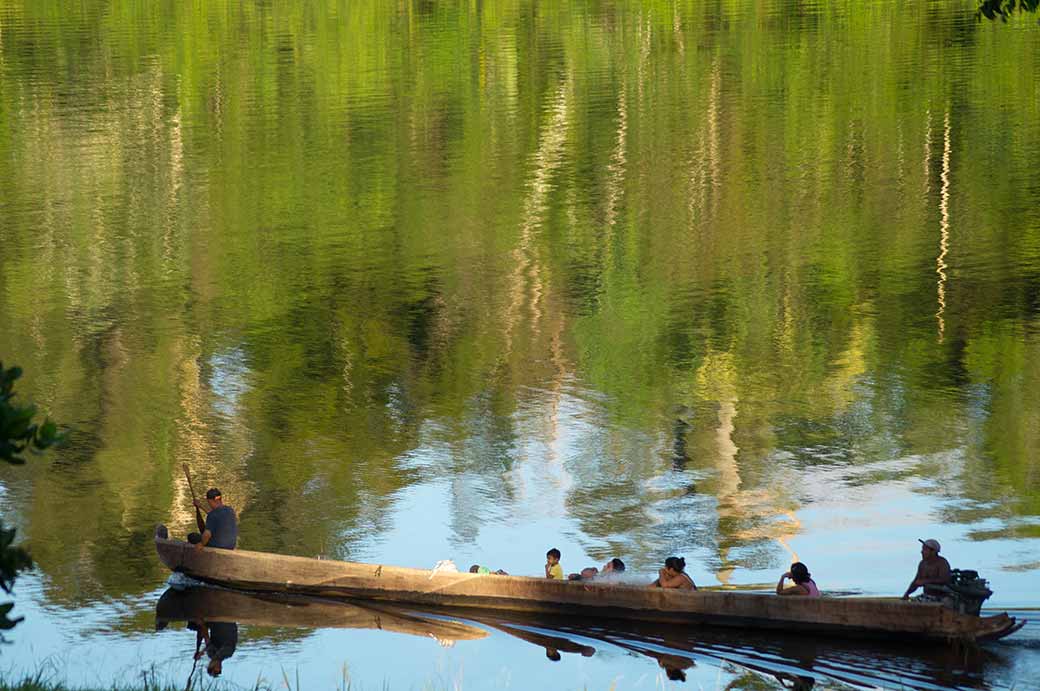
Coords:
pixel 932 571
pixel 221 523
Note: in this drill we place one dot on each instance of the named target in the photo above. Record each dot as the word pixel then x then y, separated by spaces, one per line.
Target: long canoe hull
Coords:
pixel 854 617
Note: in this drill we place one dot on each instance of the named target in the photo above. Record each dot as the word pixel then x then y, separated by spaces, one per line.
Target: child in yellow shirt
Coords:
pixel 552 564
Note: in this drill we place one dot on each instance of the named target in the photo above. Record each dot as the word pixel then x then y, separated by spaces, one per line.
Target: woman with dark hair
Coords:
pixel 804 585
pixel 673 575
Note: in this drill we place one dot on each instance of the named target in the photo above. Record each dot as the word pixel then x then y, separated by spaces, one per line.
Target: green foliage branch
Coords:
pixel 18 434
pixel 991 9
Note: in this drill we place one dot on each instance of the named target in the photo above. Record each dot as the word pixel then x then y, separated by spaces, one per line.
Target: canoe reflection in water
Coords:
pixel 215 613
pixel 673 665
pixel 554 645
pixel 792 662
pixel 230 606
pixel 766 659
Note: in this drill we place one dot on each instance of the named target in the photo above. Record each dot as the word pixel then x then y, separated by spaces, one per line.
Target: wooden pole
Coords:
pixel 199 520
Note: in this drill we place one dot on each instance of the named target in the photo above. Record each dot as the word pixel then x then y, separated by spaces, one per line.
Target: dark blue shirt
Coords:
pixel 223 527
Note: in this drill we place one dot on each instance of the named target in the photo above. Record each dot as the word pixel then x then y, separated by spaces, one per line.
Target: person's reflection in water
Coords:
pixel 794 681
pixel 674 673
pixel 554 653
pixel 553 645
pixel 799 651
pixel 674 666
pixel 221 639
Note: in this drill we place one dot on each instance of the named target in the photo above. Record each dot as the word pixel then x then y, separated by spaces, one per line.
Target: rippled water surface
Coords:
pixel 410 281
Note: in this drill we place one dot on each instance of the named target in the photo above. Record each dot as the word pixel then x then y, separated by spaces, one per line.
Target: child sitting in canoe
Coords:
pixel 673 575
pixel 803 582
pixel 552 565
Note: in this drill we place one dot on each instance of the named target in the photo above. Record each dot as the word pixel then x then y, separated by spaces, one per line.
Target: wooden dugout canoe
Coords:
pixel 855 617
pixel 208 604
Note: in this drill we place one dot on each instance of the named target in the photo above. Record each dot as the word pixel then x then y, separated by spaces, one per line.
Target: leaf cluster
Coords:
pixel 991 9
pixel 18 432
pixel 13 559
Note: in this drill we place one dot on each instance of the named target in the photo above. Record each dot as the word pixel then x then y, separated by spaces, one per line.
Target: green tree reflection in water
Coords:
pixel 302 244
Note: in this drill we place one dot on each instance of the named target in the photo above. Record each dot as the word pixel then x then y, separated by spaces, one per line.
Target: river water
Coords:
pixel 746 282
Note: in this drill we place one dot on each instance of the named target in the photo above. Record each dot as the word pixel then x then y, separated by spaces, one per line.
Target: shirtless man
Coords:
pixel 932 571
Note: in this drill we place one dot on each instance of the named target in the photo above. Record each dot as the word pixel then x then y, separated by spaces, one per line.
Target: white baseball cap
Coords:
pixel 931 544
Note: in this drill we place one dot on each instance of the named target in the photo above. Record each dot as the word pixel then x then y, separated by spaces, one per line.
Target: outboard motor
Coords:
pixel 967 591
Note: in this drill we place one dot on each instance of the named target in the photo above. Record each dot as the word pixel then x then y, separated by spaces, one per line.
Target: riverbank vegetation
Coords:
pixel 20 433
pixel 151 681
pixel 992 9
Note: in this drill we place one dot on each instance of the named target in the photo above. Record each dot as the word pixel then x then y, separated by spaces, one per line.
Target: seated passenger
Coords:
pixel 612 568
pixel 553 569
pixel 804 585
pixel 673 575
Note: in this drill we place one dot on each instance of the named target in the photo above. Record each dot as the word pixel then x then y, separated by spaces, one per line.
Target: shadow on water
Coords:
pixel 795 661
